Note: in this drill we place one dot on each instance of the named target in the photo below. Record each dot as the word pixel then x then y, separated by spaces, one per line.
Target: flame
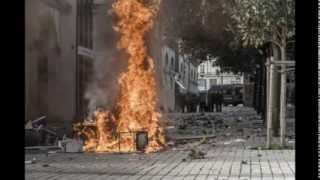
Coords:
pixel 136 107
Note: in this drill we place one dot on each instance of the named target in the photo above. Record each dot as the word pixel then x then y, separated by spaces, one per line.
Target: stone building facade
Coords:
pixel 72 64
pixel 50 64
pixel 56 33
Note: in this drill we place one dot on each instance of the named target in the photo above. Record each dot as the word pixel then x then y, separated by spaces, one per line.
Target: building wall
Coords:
pixel 167 87
pixel 209 75
pixel 108 62
pixel 187 74
pixel 85 59
pixel 50 60
pixel 193 78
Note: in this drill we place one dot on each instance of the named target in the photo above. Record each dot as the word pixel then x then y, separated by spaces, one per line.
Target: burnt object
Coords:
pixel 37 133
pixel 141 141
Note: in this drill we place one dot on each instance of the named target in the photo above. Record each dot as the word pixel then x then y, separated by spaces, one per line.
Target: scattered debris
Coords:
pixel 244 162
pixel 227 143
pixel 185 137
pixel 234 141
pixel 239 140
pixel 38 133
pixel 52 152
pixel 238 125
pixel 33 161
pixel 29 162
pixel 43 148
pixel 196 154
pixel 239 119
pixel 170 143
pixel 71 145
pixel 28 125
pixel 204 140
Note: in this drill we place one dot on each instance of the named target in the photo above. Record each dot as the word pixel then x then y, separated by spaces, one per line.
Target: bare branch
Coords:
pixel 276 43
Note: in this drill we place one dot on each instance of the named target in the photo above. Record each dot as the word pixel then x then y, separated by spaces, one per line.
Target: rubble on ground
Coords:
pixel 234 125
pixel 196 154
pixel 38 133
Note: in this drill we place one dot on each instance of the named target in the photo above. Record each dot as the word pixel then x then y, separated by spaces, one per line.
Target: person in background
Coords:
pixel 219 101
pixel 213 100
pixel 202 104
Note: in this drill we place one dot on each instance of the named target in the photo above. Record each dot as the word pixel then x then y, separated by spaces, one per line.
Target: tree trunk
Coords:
pixel 283 97
pixel 276 96
pixel 270 99
pixel 267 92
pixel 263 93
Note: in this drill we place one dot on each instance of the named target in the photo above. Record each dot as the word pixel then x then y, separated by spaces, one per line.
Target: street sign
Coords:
pixel 85 52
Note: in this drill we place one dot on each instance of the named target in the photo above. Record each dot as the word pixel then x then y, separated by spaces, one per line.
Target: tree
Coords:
pixel 197 26
pixel 200 29
pixel 257 22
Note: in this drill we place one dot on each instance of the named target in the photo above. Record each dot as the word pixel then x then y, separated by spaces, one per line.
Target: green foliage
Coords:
pixel 256 22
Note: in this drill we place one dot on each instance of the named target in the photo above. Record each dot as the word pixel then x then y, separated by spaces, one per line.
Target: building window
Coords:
pixel 210 68
pixel 173 82
pixel 172 63
pixel 202 83
pixel 166 60
pixel 202 68
pixel 217 72
pixel 213 82
pixel 176 64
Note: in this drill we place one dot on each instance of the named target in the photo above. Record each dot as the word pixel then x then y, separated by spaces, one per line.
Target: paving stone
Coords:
pixel 232 161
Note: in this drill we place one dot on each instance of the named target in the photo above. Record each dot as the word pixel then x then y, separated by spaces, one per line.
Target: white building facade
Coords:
pixel 209 75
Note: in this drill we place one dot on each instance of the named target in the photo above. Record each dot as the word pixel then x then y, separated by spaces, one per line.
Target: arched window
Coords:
pixel 166 60
pixel 202 68
pixel 172 63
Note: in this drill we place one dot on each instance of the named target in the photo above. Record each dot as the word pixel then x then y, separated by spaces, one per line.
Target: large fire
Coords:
pixel 136 108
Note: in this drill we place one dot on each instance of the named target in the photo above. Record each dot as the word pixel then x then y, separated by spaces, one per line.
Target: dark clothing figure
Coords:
pixel 202 106
pixel 219 99
pixel 213 101
pixel 202 103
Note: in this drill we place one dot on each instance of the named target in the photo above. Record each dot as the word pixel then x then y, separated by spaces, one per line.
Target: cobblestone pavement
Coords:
pixel 231 157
